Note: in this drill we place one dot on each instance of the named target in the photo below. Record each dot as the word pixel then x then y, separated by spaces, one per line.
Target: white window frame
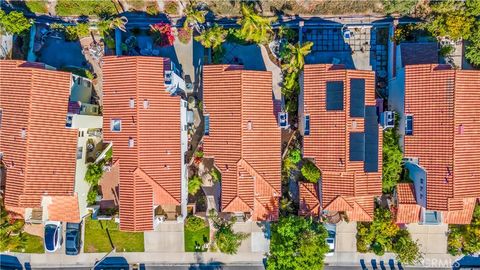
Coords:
pixel 112 125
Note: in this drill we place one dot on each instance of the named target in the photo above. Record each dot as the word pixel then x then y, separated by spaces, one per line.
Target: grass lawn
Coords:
pixel 37 6
pixel 96 238
pixel 33 244
pixel 193 238
pixel 85 7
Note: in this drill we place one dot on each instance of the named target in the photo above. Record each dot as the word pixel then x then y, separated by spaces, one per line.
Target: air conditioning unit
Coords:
pixel 283 119
pixel 387 119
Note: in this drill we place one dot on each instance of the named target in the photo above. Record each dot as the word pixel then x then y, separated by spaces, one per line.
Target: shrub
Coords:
pixel 185 35
pixel 14 22
pixel 94 173
pixel 446 50
pixel 392 159
pixel 57 26
pixel 216 175
pixel 295 155
pixel 194 184
pixel 162 34
pixel 92 195
pixel 109 42
pixel 464 239
pixel 171 7
pixel 74 32
pixel 310 172
pixel 194 223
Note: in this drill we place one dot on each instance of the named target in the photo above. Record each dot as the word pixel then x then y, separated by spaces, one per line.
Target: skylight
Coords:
pixel 409 125
pixel 207 125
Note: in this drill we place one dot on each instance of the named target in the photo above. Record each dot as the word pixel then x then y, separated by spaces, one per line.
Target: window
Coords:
pixel 307 125
pixel 146 104
pixel 409 125
pixel 132 103
pixel 131 142
pixel 207 125
pixel 79 152
pixel 69 121
pixel 116 125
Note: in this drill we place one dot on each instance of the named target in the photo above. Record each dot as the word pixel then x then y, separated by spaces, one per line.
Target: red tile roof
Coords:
pixel 150 171
pixel 408 210
pixel 446 136
pixel 35 100
pixel 244 138
pixel 64 208
pixel 329 139
pixel 309 199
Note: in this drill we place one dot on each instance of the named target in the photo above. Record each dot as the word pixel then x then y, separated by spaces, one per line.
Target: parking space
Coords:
pixel 167 237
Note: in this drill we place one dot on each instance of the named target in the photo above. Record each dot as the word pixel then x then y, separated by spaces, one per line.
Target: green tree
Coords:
pixel 295 155
pixel 310 172
pixel 104 26
pixel 14 22
pixel 450 19
pixel 194 223
pixel 296 56
pixel 383 235
pixel 194 184
pixel 92 195
pixel 226 240
pixel 473 7
pixel 472 50
pixel 465 239
pixel 193 15
pixel 402 7
pixel 254 28
pixel 392 158
pixel 11 231
pixel 94 173
pixel 297 243
pixel 212 37
pixel 407 251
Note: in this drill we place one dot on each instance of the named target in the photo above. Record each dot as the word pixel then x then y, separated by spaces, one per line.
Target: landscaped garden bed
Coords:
pixel 97 240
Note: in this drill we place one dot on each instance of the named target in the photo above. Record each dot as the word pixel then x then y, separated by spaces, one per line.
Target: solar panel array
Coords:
pixel 357 146
pixel 334 95
pixel 357 97
pixel 371 139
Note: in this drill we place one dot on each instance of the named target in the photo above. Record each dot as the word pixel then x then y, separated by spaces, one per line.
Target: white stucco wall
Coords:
pixel 419 177
pixel 184 148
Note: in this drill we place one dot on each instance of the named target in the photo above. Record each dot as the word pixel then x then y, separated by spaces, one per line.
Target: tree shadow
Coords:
pixel 201 264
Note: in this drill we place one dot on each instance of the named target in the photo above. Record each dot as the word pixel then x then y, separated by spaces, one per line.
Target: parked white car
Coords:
pixel 53 236
pixel 331 229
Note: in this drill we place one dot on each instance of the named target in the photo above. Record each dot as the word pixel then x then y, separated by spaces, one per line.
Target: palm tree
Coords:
pixel 212 37
pixel 193 16
pixel 254 27
pixel 104 26
pixel 297 55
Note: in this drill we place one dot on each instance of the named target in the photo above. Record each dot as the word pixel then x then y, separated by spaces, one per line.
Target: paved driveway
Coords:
pixel 168 238
pixel 258 240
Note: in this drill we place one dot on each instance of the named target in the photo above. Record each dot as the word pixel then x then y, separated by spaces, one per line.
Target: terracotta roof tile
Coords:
pixel 244 138
pixel 446 136
pixel 64 208
pixel 309 199
pixel 408 211
pixel 463 216
pixel 34 104
pixel 155 131
pixel 330 130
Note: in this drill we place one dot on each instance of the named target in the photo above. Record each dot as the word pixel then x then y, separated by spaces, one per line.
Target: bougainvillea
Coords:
pixel 162 34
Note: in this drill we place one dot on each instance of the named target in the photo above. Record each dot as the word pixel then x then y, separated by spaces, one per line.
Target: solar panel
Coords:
pixel 357 146
pixel 357 97
pixel 371 139
pixel 335 95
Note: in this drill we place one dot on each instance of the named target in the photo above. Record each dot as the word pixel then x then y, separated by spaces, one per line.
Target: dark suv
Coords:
pixel 73 238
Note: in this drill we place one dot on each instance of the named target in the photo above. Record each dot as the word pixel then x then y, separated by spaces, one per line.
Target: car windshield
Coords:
pixel 50 239
pixel 71 243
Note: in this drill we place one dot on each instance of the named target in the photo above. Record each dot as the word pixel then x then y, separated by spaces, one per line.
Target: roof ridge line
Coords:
pixel 142 174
